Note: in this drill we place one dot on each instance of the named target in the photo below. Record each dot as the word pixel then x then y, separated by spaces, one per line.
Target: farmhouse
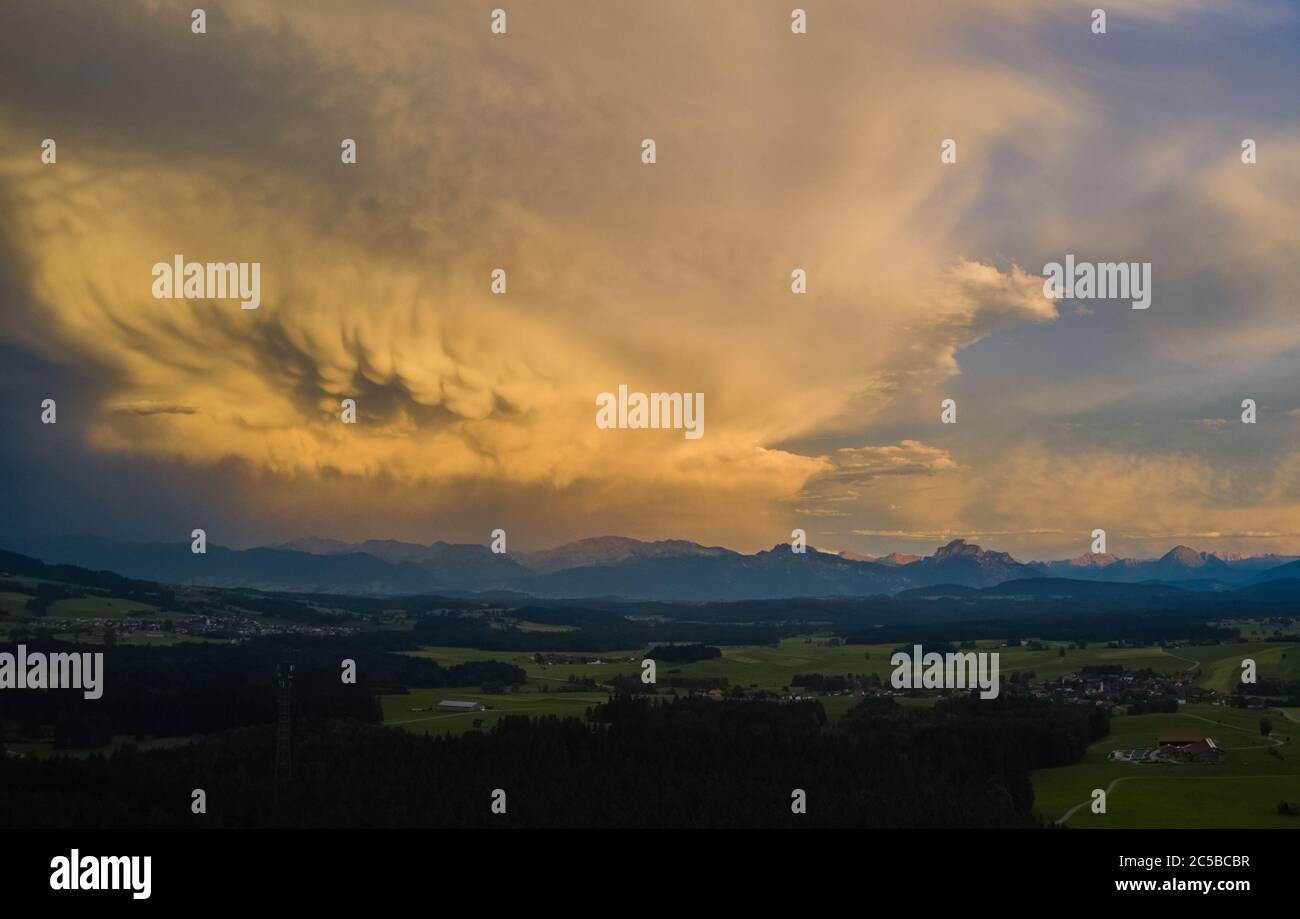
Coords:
pixel 1191 748
pixel 461 706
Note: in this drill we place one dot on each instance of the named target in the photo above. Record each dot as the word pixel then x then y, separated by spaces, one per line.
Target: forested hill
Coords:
pixel 636 763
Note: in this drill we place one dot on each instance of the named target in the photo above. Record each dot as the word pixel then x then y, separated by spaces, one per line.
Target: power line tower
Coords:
pixel 284 727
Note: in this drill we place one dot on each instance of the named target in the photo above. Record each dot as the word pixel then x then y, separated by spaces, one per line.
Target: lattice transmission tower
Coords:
pixel 284 726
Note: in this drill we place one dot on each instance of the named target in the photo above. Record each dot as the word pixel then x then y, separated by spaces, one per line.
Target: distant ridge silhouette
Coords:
pixel 670 570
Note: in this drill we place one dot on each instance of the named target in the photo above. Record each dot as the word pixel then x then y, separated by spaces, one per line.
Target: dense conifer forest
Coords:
pixel 634 762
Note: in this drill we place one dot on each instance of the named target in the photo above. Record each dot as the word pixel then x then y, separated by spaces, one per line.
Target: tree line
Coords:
pixel 194 688
pixel 633 762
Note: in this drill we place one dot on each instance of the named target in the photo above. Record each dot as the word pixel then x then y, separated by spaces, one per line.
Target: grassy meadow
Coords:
pixel 773 668
pixel 1243 791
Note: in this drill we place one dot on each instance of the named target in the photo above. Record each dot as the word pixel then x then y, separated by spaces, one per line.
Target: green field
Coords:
pixel 398 709
pixel 749 666
pixel 1242 792
pixel 12 604
pixel 1261 629
pixel 616 663
pixel 14 613
pixel 773 668
pixel 1222 671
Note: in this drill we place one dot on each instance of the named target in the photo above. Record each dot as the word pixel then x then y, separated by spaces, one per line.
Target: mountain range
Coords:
pixel 615 566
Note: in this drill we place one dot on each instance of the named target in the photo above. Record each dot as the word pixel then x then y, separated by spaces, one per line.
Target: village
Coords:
pixel 227 626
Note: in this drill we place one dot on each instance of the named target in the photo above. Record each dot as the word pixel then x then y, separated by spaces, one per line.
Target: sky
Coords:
pixel 774 151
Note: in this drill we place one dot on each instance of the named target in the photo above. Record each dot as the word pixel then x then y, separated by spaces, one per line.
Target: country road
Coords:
pixel 1232 727
pixel 1195 664
pixel 1109 788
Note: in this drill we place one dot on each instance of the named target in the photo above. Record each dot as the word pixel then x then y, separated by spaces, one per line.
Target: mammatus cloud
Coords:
pixel 522 152
pixel 153 408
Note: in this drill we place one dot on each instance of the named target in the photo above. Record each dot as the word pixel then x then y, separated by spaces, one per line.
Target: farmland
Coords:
pixel 1243 791
pixel 412 710
pixel 772 668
